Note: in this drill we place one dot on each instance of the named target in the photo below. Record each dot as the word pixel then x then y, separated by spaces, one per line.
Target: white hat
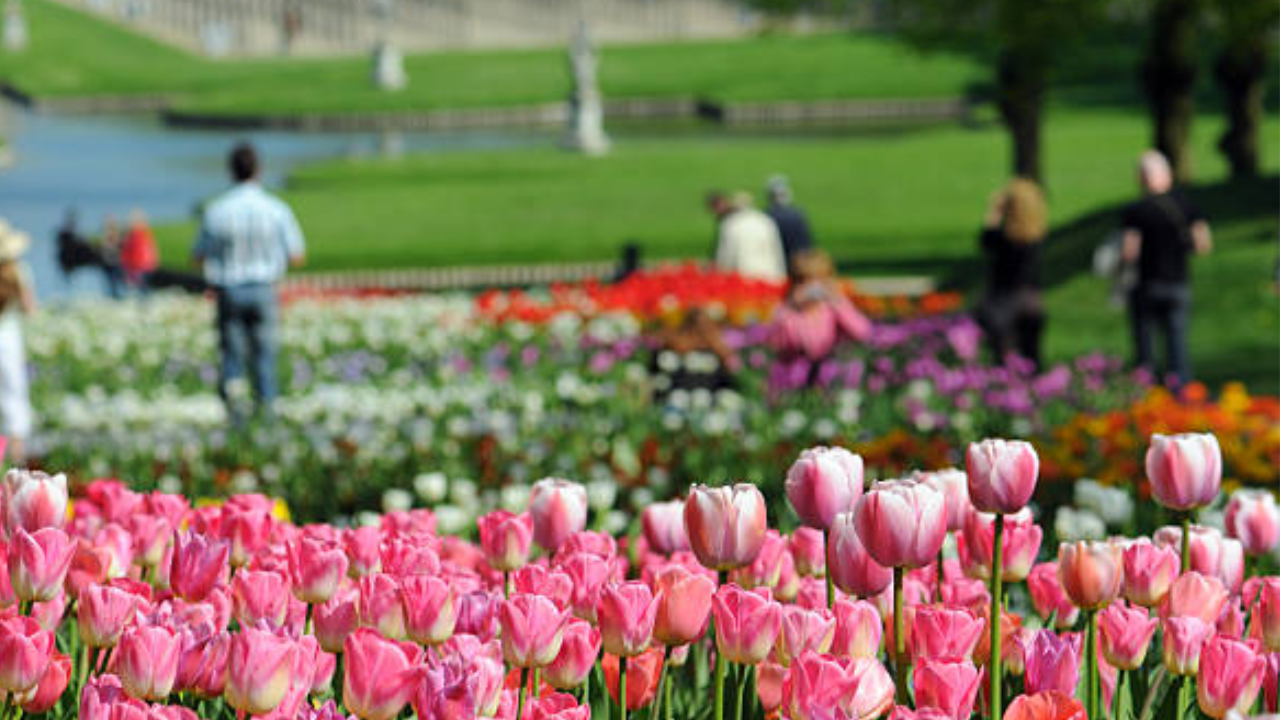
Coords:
pixel 13 242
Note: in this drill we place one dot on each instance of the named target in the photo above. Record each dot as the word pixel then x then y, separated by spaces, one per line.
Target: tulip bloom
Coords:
pixel 587 574
pixel 850 565
pixel 954 486
pixel 260 595
pixel 259 670
pixel 626 616
pixel 663 527
pixel 380 675
pixel 506 539
pixel 33 500
pixel 1125 633
pixel 902 523
pixel 804 630
pixel 1090 573
pixel 316 569
pixel 25 648
pixel 808 549
pixel 858 629
pixel 817 687
pixel 381 606
pixel 1230 677
pixel 684 605
pixel 939 632
pixel 1195 595
pixel 950 686
pixel 747 623
pixel 643 675
pixel 873 689
pixel 1185 470
pixel 51 686
pixel 430 613
pixel 1266 614
pixel 1048 596
pixel 532 630
pixel 578 652
pixel 38 563
pixel 1053 662
pixel 199 564
pixel 336 618
pixel 1149 570
pixel 1254 520
pixel 1045 706
pixel 1020 542
pixel 1002 475
pixel 147 661
pixel 822 483
pixel 103 613
pixel 726 525
pixel 363 548
pixel 1183 639
pixel 559 509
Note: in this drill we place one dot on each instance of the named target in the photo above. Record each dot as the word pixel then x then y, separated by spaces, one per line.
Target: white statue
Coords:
pixel 388 68
pixel 15 27
pixel 586 110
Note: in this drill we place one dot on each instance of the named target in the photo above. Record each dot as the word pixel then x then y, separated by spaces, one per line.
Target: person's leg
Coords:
pixel 1140 320
pixel 1030 328
pixel 1177 325
pixel 262 345
pixel 230 343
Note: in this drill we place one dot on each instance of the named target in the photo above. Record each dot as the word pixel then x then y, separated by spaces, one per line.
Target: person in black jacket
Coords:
pixel 1161 232
pixel 1012 313
pixel 793 226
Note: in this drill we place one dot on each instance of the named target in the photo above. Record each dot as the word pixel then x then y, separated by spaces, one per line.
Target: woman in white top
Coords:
pixel 16 298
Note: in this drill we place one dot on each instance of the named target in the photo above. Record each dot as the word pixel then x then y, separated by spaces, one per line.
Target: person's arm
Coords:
pixel 294 244
pixel 1201 236
pixel 1130 245
pixel 200 248
pixel 26 297
pixel 725 252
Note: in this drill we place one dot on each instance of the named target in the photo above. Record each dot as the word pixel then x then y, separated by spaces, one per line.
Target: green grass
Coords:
pixel 72 53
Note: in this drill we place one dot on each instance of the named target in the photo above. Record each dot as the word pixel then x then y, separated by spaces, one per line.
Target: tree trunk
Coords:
pixel 1020 88
pixel 1168 77
pixel 1247 27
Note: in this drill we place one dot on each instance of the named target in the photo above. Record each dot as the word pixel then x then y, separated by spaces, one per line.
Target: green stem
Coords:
pixel 537 682
pixel 586 691
pixel 941 575
pixel 666 692
pixel 524 680
pixel 25 606
pixel 338 684
pixel 997 606
pixel 83 672
pixel 622 687
pixel 663 679
pixel 899 640
pixel 742 684
pixel 1186 542
pixel 1091 663
pixel 718 707
pixel 506 584
pixel 831 584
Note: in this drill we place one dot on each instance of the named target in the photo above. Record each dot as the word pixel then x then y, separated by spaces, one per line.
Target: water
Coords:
pixel 112 164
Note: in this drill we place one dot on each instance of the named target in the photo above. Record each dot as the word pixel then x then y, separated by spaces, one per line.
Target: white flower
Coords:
pixel 396 500
pixel 601 494
pixel 1072 525
pixel 431 487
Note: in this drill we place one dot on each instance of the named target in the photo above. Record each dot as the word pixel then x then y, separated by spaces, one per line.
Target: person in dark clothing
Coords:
pixel 793 226
pixel 1011 313
pixel 1161 231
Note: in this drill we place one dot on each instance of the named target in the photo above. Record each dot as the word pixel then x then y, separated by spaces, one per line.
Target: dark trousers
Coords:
pixel 1164 308
pixel 247 337
pixel 1013 322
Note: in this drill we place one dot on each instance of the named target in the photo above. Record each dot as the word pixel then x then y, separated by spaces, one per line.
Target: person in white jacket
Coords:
pixel 747 240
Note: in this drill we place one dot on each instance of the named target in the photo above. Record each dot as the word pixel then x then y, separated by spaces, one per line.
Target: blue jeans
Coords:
pixel 247 336
pixel 1166 307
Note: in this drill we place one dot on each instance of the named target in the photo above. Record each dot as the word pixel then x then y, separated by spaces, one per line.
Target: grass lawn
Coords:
pixel 72 53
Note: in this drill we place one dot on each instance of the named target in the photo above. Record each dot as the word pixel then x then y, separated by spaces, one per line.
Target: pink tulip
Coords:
pixel 316 569
pixel 766 570
pixel 559 706
pixel 38 563
pixel 1185 470
pixel 336 618
pixel 363 548
pixel 858 629
pixel 873 693
pixel 381 606
pixel 769 679
pixel 1254 520
pixel 1052 662
pixel 1231 621
pixel 1046 706
pixel 260 669
pixel 1048 597
pixel 202 667
pixel 822 483
pixel 25 649
pixel 478 613
pixel 589 541
pixel 1271 683
pixel 551 583
pixel 1149 570
pixel 1090 573
pixel 559 509
pixel 247 530
pixel 1211 553
pixel 1183 639
pixel 33 500
pixel 1230 677
pixel 380 674
pixel 532 630
pixel 626 616
pixel 950 686
pixel 51 686
pixel 902 523
pixel 747 623
pixel 430 613
pixel 817 688
pixel 954 486
pixel 804 630
pixel 809 550
pixel 147 661
pixel 851 567
pixel 663 526
pixel 939 632
pixel 684 605
pixel 199 564
pixel 1002 475
pixel 103 614
pixel 1266 614
pixel 587 574
pixel 1020 543
pixel 1195 595
pixel 726 525
pixel 259 596
pixel 404 555
pixel 506 539
pixel 1124 634
pixel 151 535
pixel 578 653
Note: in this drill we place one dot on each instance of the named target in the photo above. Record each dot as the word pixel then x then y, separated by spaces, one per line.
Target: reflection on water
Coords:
pixel 111 164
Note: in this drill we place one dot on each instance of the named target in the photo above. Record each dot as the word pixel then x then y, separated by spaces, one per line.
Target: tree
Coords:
pixel 1169 76
pixel 1248 30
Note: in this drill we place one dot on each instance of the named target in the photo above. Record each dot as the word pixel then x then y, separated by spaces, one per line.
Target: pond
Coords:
pixel 109 165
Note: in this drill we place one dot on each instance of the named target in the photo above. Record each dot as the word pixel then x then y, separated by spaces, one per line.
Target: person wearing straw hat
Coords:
pixel 16 298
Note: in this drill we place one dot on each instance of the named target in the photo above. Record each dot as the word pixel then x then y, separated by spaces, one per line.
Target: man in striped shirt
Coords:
pixel 248 239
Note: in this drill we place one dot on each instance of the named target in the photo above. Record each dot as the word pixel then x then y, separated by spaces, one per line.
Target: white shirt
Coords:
pixel 248 236
pixel 750 245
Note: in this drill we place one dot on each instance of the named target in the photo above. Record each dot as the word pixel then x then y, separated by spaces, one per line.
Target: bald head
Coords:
pixel 1154 172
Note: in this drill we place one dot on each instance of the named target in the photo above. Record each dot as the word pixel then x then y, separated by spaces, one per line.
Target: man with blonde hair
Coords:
pixel 1161 231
